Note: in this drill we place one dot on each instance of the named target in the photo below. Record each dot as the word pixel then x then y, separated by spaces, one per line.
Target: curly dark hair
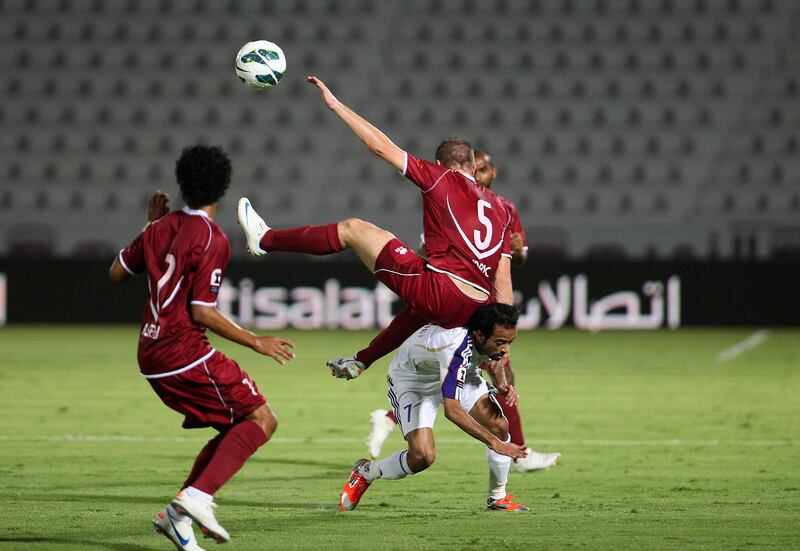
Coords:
pixel 489 315
pixel 203 174
pixel 455 152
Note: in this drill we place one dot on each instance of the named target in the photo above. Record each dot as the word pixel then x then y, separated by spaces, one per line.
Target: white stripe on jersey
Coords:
pixel 182 369
pixel 461 279
pixel 122 263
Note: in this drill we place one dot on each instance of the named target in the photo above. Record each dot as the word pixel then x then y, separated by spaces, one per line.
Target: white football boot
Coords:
pixel 202 512
pixel 252 225
pixel 177 528
pixel 535 461
pixel 382 427
pixel 346 368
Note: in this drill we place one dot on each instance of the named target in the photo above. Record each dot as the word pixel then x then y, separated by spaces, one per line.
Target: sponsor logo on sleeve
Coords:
pixel 216 280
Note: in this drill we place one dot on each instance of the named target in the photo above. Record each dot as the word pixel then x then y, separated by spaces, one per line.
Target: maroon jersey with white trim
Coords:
pixel 465 225
pixel 184 255
pixel 516 223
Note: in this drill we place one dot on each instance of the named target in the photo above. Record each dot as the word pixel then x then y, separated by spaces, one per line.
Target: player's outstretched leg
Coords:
pixel 177 528
pixel 252 225
pixel 382 426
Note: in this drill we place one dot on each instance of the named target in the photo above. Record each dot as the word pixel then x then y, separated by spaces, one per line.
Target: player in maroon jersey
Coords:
pixel 383 421
pixel 466 231
pixel 183 255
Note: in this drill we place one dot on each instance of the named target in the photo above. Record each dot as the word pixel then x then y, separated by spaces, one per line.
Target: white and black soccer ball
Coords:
pixel 260 64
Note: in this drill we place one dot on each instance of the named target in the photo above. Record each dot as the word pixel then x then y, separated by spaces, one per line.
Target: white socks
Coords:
pixel 392 468
pixel 499 466
pixel 191 491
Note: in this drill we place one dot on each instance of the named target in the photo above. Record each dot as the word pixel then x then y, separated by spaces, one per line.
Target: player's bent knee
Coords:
pixel 264 418
pixel 350 227
pixel 499 427
pixel 421 459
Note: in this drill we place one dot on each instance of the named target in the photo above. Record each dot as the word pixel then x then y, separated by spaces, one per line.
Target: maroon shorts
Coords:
pixel 432 295
pixel 215 393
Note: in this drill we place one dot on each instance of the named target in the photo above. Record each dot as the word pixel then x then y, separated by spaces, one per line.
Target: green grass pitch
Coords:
pixel 663 447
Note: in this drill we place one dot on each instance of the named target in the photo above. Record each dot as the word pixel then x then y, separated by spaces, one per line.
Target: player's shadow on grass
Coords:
pixel 71 541
pixel 160 500
pixel 338 467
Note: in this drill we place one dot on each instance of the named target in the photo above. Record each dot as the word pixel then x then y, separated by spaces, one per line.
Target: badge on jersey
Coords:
pixel 216 280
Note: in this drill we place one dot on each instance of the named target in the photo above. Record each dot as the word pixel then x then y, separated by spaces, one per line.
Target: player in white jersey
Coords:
pixel 438 366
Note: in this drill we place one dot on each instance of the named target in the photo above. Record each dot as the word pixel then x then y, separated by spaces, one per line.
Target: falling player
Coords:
pixel 466 229
pixel 383 421
pixel 440 366
pixel 184 255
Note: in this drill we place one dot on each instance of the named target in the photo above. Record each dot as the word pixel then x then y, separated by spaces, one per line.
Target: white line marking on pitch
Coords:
pixel 751 342
pixel 458 441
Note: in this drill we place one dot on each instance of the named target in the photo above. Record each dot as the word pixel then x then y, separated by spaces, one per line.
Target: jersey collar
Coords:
pixel 195 212
pixel 465 175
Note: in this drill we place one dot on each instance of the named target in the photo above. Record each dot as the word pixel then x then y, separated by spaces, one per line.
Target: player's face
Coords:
pixel 497 344
pixel 485 172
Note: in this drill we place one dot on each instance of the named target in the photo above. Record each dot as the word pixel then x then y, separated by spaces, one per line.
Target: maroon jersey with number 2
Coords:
pixel 466 226
pixel 184 254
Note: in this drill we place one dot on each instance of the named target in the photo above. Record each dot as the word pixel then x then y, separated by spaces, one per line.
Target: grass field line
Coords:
pixel 111 438
pixel 753 341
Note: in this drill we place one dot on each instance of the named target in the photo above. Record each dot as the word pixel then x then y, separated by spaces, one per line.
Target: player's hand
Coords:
pixel 346 368
pixel 514 451
pixel 277 348
pixel 511 395
pixel 497 370
pixel 157 205
pixel 515 239
pixel 327 96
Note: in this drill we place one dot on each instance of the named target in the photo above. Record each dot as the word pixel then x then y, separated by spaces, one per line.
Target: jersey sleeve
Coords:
pixel 131 258
pixel 423 174
pixel 457 364
pixel 209 270
pixel 516 226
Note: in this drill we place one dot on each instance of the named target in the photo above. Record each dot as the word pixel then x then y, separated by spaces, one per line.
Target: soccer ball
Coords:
pixel 260 64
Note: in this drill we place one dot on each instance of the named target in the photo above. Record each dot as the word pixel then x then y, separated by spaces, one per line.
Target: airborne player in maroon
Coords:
pixel 184 255
pixel 466 233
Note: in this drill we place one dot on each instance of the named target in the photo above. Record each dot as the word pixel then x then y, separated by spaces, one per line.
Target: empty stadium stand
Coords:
pixel 621 128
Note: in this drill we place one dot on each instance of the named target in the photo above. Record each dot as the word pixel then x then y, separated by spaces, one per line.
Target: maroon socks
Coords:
pixel 402 326
pixel 318 240
pixel 514 421
pixel 234 448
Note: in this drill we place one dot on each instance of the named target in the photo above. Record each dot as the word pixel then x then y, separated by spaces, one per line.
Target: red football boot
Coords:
pixel 506 504
pixel 355 487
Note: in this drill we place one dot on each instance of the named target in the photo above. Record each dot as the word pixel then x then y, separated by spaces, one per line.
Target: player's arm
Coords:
pixel 519 254
pixel 503 290
pixel 278 348
pixel 157 206
pixel 463 420
pixel 498 372
pixel 116 273
pixel 375 140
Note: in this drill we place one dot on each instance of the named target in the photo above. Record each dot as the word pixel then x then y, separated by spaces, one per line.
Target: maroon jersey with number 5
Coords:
pixel 184 254
pixel 466 226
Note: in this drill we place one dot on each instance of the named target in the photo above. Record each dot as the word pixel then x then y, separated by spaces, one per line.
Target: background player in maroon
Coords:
pixel 485 174
pixel 183 255
pixel 466 229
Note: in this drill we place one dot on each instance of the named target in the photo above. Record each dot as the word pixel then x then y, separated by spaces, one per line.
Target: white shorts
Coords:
pixel 416 405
